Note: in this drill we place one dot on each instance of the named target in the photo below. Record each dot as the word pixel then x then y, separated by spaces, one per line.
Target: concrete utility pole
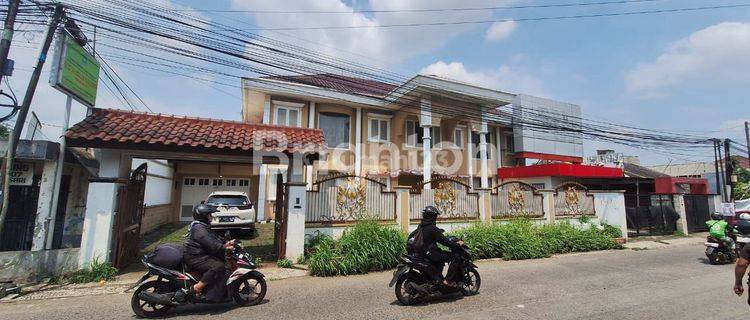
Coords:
pixel 24 109
pixel 10 21
pixel 716 167
pixel 747 138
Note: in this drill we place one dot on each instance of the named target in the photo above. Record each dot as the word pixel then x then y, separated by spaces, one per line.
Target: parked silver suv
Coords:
pixel 235 211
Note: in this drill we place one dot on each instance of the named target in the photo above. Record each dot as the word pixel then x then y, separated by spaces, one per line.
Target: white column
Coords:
pixel 267 110
pixel 260 207
pixel 44 204
pixel 470 158
pixel 101 203
pixel 310 124
pixel 483 159
pixel 358 143
pixel 427 156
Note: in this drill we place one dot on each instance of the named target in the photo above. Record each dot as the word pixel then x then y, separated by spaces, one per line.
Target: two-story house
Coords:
pixel 403 134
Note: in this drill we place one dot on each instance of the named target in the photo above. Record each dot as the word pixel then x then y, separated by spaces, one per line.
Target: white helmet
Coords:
pixel 745 216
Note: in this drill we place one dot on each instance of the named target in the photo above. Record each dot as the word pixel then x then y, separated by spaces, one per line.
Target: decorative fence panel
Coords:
pixel 451 197
pixel 516 199
pixel 573 199
pixel 349 198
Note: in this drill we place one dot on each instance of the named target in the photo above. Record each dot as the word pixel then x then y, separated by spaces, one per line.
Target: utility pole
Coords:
pixel 721 172
pixel 747 138
pixel 24 109
pixel 729 170
pixel 716 167
pixel 8 28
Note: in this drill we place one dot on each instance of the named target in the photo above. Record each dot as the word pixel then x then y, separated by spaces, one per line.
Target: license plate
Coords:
pixel 709 250
pixel 226 219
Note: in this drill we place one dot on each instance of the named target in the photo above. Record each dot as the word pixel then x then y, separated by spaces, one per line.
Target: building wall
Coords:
pixel 252 106
pixel 76 205
pixel 156 216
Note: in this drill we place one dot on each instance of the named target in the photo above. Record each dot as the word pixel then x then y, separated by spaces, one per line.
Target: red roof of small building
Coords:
pixel 559 170
pixel 112 128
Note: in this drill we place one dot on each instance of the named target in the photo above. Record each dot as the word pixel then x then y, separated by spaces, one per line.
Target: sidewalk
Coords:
pixel 122 282
pixel 647 243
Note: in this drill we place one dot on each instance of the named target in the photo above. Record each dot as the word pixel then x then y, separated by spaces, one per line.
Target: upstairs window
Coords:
pixel 475 145
pixel 336 129
pixel 380 130
pixel 288 114
pixel 415 134
pixel 458 137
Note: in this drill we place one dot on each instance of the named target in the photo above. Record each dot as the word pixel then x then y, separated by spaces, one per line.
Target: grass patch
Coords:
pixel 96 272
pixel 284 263
pixel 521 239
pixel 364 247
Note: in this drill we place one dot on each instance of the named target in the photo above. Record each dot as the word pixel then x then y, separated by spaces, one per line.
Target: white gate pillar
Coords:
pixel 101 203
pixel 679 206
pixel 296 206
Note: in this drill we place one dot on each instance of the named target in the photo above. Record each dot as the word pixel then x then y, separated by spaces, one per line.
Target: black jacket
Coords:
pixel 203 242
pixel 434 235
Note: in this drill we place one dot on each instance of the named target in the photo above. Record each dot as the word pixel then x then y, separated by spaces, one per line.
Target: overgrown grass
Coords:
pixel 284 263
pixel 97 271
pixel 521 239
pixel 366 246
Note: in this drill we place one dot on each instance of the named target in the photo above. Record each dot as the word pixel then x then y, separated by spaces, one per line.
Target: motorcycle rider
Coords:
pixel 204 249
pixel 432 235
pixel 717 228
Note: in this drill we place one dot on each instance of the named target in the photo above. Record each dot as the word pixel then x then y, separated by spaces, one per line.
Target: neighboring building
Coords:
pixel 705 170
pixel 408 133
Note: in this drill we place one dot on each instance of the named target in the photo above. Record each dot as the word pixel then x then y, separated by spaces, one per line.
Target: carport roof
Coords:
pixel 120 129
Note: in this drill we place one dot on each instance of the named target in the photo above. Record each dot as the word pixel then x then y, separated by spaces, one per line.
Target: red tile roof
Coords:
pixel 111 128
pixel 341 83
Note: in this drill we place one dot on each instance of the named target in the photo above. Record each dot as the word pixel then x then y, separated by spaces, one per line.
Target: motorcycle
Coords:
pixel 413 282
pixel 155 297
pixel 718 252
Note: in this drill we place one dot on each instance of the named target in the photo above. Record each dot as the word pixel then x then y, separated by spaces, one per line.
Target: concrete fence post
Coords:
pixel 548 205
pixel 485 205
pixel 295 223
pixel 679 206
pixel 610 208
pixel 402 207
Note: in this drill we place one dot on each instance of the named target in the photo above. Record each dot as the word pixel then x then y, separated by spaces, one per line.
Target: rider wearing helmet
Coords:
pixel 717 228
pixel 204 249
pixel 433 235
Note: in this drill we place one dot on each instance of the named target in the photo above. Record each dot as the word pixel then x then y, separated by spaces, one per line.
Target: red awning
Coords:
pixel 560 170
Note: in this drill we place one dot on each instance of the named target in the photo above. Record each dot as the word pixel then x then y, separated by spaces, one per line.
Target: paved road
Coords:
pixel 669 283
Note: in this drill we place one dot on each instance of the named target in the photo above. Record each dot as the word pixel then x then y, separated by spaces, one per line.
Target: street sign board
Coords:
pixel 21 174
pixel 75 71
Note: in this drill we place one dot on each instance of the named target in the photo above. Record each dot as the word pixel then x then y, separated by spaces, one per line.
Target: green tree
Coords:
pixel 742 186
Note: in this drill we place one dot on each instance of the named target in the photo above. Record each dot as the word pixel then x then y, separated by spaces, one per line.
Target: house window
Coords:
pixel 202 182
pixel 509 143
pixel 380 130
pixel 458 137
pixel 217 182
pixel 335 128
pixel 288 115
pixel 244 183
pixel 189 181
pixel 475 145
pixel 415 134
pixel 231 183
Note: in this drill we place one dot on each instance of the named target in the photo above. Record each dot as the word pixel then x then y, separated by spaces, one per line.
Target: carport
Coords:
pixel 114 205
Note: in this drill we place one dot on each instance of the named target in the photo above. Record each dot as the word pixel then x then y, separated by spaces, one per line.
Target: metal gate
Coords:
pixel 279 240
pixel 127 228
pixel 650 214
pixel 18 230
pixel 697 212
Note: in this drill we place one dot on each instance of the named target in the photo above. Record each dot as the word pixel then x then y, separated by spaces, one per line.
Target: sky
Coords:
pixel 678 72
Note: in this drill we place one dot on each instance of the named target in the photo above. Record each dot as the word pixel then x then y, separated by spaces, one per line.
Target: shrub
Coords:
pixel 611 231
pixel 95 272
pixel 284 263
pixel 512 241
pixel 366 246
pixel 564 237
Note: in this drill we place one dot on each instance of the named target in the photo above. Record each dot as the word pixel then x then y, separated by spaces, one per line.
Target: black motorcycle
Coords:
pixel 718 252
pixel 414 283
pixel 155 297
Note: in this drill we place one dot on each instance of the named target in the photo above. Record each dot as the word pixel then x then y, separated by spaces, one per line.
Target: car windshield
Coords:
pixel 228 200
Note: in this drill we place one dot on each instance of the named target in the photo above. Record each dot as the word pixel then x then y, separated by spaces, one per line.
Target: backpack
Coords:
pixel 415 243
pixel 168 255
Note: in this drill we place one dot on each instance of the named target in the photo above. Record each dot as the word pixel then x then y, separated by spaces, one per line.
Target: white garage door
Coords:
pixel 197 189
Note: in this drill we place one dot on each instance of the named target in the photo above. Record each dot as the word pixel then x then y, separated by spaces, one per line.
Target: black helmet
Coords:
pixel 201 212
pixel 717 216
pixel 430 212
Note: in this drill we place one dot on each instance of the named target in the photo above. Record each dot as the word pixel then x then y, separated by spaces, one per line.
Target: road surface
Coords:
pixel 667 283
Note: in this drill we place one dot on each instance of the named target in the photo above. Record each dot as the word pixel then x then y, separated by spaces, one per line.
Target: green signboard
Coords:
pixel 75 71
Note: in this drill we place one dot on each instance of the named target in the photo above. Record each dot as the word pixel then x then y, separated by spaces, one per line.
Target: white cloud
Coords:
pixel 507 77
pixel 719 52
pixel 500 30
pixel 385 46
